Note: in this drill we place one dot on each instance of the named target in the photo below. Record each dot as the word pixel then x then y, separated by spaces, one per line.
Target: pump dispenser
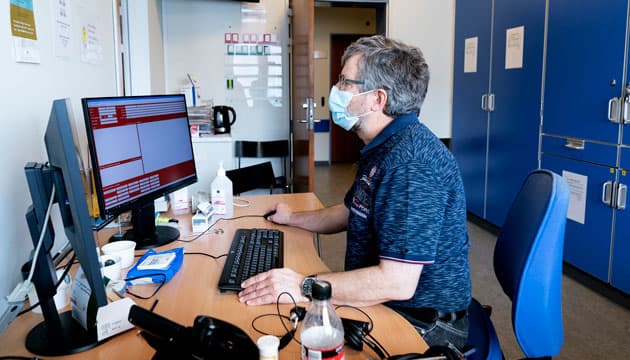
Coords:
pixel 322 331
pixel 221 194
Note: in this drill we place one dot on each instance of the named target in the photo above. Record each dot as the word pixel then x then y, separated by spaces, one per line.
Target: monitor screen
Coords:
pixel 141 149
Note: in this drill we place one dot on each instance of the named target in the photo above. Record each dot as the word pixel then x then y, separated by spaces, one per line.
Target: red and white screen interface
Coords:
pixel 142 145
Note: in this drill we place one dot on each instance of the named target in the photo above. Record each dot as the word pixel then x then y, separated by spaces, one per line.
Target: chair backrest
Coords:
pixel 262 149
pixel 528 262
pixel 251 177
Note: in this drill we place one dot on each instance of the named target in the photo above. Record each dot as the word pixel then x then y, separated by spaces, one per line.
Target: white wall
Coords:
pixel 429 25
pixel 25 101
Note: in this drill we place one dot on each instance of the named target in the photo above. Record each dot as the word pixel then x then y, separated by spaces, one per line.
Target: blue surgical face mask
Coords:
pixel 338 102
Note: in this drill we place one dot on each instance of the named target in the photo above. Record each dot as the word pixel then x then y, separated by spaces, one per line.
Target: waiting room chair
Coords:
pixel 266 149
pixel 528 266
pixel 252 177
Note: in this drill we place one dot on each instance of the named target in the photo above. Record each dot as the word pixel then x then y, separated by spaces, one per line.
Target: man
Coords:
pixel 405 214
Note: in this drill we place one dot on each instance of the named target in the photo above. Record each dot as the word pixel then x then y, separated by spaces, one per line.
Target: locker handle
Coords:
pixel 491 102
pixel 484 102
pixel 574 144
pixel 626 110
pixel 613 110
pixel 607 192
pixel 622 189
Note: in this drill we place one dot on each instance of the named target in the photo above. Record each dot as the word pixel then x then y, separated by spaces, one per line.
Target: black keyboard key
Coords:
pixel 253 251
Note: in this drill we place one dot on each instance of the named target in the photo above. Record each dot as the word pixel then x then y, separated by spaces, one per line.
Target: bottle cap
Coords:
pixel 268 347
pixel 321 290
pixel 221 171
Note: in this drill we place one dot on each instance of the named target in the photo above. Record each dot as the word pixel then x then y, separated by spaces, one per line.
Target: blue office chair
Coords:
pixel 528 265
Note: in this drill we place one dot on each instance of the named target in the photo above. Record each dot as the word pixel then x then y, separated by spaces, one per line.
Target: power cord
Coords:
pixel 59 281
pixel 297 314
pixel 160 284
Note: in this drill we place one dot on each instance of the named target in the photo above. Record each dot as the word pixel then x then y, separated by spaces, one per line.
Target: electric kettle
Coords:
pixel 221 119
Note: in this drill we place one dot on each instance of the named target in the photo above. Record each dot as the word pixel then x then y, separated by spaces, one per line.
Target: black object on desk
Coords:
pixel 208 338
pixel 253 251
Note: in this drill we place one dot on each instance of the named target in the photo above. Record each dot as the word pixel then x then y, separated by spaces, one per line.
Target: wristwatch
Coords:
pixel 307 285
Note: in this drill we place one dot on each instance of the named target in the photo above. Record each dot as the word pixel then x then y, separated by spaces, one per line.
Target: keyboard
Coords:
pixel 252 251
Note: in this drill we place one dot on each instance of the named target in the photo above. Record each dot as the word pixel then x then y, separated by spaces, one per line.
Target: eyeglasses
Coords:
pixel 344 81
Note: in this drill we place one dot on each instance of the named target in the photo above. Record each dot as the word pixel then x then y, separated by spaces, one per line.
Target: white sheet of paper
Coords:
pixel 113 318
pixel 514 40
pixel 63 28
pixel 577 199
pixel 470 54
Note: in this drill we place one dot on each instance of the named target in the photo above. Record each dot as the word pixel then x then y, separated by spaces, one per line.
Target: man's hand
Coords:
pixel 264 288
pixel 282 214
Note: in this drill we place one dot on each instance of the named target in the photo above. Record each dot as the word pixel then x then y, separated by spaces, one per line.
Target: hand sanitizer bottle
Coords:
pixel 221 189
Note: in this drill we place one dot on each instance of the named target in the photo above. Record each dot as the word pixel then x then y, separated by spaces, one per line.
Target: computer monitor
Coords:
pixel 60 334
pixel 140 149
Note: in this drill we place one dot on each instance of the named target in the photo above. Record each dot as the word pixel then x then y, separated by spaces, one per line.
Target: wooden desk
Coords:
pixel 193 291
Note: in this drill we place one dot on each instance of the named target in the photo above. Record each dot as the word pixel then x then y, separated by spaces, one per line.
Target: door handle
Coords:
pixel 607 193
pixel 574 144
pixel 622 189
pixel 613 110
pixel 484 102
pixel 490 103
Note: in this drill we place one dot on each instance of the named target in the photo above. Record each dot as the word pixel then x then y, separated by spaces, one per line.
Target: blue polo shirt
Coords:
pixel 407 204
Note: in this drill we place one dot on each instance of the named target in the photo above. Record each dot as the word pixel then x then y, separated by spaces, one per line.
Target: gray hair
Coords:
pixel 397 68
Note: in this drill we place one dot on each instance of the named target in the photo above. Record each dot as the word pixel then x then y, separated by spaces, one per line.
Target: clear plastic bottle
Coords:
pixel 322 331
pixel 221 194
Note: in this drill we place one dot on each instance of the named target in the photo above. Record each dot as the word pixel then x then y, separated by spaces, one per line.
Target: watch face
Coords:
pixel 307 286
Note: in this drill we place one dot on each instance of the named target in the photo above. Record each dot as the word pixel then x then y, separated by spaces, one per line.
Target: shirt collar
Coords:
pixel 395 126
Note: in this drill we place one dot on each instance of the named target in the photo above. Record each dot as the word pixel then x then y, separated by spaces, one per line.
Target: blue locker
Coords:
pixel 515 121
pixel 496 148
pixel 620 269
pixel 585 56
pixel 469 139
pixel 587 246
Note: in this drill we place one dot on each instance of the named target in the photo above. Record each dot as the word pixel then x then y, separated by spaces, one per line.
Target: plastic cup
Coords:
pixel 123 248
pixel 268 347
pixel 113 270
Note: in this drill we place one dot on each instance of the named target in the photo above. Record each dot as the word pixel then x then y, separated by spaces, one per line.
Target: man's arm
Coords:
pixel 390 280
pixel 328 220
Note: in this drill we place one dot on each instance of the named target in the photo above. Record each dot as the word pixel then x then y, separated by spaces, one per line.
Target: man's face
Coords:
pixel 350 82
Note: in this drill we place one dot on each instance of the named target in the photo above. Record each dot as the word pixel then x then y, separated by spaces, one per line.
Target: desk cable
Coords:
pixel 59 281
pixel 297 314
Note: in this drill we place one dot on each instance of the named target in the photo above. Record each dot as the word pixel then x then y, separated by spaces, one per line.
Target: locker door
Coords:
pixel 620 269
pixel 472 19
pixel 515 121
pixel 586 245
pixel 585 55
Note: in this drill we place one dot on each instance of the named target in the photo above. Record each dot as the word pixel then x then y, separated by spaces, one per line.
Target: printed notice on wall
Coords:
pixel 514 40
pixel 91 48
pixel 25 47
pixel 63 28
pixel 470 55
pixel 577 200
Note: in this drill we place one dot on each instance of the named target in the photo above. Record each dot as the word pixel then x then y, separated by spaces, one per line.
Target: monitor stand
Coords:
pixel 144 232
pixel 68 338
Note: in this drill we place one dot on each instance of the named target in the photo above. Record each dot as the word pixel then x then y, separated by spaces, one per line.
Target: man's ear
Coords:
pixel 381 99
